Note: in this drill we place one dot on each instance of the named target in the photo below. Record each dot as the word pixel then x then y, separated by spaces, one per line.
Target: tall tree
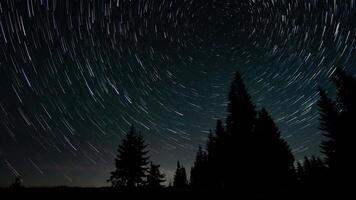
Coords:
pixel 311 171
pixel 311 174
pixel 218 157
pixel 328 117
pixel 155 178
pixel 180 177
pixel 131 162
pixel 346 90
pixel 336 147
pixel 273 160
pixel 239 126
pixel 199 172
pixel 241 111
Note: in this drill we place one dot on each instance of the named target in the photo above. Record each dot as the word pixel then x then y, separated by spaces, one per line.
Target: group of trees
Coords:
pixel 247 152
pixel 337 122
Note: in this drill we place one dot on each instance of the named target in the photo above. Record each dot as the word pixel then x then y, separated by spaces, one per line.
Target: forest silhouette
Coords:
pixel 246 153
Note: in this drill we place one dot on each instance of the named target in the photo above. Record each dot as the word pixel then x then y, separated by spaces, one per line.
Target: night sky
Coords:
pixel 74 75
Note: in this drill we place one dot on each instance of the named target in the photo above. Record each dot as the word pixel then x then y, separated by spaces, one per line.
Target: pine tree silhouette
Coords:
pixel 241 111
pixel 328 117
pixel 131 162
pixel 343 168
pixel 337 121
pixel 180 177
pixel 199 172
pixel 154 177
pixel 239 126
pixel 311 174
pixel 218 157
pixel 273 162
pixel 346 90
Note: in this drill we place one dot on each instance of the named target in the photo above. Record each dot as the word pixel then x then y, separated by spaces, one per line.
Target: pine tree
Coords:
pixel 155 178
pixel 180 177
pixel 220 130
pixel 337 146
pixel 211 146
pixel 328 117
pixel 271 148
pixel 239 127
pixel 346 90
pixel 131 162
pixel 218 157
pixel 337 121
pixel 311 173
pixel 241 111
pixel 199 172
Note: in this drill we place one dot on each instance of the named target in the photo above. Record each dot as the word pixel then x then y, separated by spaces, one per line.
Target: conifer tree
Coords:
pixel 199 172
pixel 131 162
pixel 311 173
pixel 328 117
pixel 154 177
pixel 273 160
pixel 339 132
pixel 241 111
pixel 180 177
pixel 239 127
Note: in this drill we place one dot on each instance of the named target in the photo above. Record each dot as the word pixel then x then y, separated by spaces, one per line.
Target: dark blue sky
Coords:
pixel 75 74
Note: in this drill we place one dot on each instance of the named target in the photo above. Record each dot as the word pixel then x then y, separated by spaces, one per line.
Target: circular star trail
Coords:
pixel 74 75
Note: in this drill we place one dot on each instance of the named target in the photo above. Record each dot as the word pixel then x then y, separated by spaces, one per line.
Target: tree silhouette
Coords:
pixel 17 184
pixel 337 121
pixel 239 127
pixel 311 174
pixel 346 90
pixel 343 168
pixel 241 111
pixel 273 162
pixel 131 162
pixel 199 172
pixel 217 157
pixel 180 177
pixel 154 177
pixel 328 117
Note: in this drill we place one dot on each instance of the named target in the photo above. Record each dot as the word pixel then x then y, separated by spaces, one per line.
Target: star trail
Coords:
pixel 75 74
